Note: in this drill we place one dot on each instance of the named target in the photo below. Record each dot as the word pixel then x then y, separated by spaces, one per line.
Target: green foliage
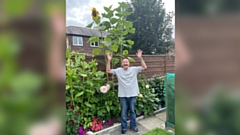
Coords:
pixel 117 27
pixel 153 26
pixel 149 102
pixel 157 83
pixel 83 98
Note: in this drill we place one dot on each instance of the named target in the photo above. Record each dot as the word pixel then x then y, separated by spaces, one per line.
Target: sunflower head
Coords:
pixel 94 13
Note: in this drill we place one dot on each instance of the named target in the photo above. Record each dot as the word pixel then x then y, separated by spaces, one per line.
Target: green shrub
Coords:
pixel 157 83
pixel 148 103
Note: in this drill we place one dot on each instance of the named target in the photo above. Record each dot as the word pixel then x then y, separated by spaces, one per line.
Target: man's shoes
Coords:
pixel 135 130
pixel 123 132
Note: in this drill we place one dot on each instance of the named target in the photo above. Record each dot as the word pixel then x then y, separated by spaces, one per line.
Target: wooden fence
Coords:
pixel 157 64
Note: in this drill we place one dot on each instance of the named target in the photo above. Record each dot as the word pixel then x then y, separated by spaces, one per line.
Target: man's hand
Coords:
pixel 109 56
pixel 139 53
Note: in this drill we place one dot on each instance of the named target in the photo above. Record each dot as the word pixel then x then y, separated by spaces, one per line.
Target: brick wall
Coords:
pixel 86 48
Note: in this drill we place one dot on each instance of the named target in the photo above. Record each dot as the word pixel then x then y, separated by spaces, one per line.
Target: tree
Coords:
pixel 153 26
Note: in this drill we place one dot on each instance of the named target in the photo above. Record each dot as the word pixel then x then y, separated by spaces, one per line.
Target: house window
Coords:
pixel 95 44
pixel 78 41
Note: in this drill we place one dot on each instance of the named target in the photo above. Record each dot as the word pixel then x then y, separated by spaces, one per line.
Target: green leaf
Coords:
pixel 123 4
pixel 118 9
pixel 96 51
pixel 89 91
pixel 125 33
pixel 118 14
pixel 115 61
pixel 106 9
pixel 132 30
pixel 97 20
pixel 130 42
pixel 128 24
pixel 83 75
pixel 110 7
pixel 82 57
pixel 79 94
pixel 101 46
pixel 87 104
pixel 131 59
pixel 90 25
pixel 106 43
pixel 93 39
pixel 106 24
pixel 67 87
pixel 107 39
pixel 104 15
pixel 113 20
pixel 125 13
pixel 68 129
pixel 68 99
pixel 109 14
pixel 125 52
pixel 115 48
pixel 108 109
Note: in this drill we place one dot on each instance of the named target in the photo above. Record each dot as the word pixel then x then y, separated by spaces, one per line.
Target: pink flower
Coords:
pixel 108 86
pixel 104 89
pixel 72 121
pixel 72 106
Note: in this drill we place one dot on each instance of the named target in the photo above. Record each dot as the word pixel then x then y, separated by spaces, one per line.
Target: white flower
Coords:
pixel 89 133
pixel 140 95
pixel 147 86
pixel 103 89
pixel 108 86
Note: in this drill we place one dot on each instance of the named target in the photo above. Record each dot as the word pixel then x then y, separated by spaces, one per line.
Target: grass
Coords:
pixel 158 131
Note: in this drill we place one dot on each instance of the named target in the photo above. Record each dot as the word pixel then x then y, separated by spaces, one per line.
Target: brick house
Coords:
pixel 77 38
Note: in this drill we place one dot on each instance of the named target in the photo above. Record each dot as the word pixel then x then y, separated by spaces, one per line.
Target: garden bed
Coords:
pixel 117 125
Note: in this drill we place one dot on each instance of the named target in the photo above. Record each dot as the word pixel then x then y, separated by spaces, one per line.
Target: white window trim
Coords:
pixel 77 44
pixel 94 44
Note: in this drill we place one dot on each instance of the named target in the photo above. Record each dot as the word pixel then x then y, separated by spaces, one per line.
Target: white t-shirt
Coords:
pixel 127 81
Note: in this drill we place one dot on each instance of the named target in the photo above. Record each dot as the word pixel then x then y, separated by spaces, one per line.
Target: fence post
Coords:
pixel 165 65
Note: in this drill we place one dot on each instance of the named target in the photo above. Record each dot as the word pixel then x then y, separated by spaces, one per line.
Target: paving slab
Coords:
pixel 161 116
pixel 151 122
pixel 141 129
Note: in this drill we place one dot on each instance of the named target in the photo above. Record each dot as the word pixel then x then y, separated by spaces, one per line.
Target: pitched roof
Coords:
pixel 83 31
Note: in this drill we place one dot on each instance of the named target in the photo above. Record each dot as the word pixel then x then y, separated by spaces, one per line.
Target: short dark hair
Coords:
pixel 124 58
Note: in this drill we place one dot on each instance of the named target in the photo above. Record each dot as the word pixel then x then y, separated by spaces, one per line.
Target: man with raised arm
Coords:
pixel 128 89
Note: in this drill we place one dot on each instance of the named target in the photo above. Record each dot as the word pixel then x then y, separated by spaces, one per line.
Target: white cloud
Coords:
pixel 78 12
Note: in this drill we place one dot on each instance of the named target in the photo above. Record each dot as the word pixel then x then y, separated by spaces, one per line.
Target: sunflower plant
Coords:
pixel 114 23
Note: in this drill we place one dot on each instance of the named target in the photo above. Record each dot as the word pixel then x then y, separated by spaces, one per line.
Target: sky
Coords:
pixel 78 12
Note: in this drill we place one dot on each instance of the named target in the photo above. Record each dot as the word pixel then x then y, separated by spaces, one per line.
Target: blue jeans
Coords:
pixel 128 103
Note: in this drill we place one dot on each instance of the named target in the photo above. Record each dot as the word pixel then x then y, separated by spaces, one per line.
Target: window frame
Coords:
pixel 78 37
pixel 94 44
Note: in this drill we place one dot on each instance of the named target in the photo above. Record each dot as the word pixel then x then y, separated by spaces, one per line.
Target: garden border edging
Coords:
pixel 112 128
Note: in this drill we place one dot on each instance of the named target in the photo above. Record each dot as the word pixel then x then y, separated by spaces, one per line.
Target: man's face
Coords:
pixel 125 63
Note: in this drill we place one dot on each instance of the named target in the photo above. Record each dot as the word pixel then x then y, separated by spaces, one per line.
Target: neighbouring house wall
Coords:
pixel 86 48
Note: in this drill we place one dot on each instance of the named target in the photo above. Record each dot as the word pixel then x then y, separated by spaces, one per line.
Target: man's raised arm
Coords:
pixel 108 69
pixel 139 55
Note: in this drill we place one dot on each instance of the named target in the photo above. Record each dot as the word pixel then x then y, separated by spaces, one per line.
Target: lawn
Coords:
pixel 158 131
